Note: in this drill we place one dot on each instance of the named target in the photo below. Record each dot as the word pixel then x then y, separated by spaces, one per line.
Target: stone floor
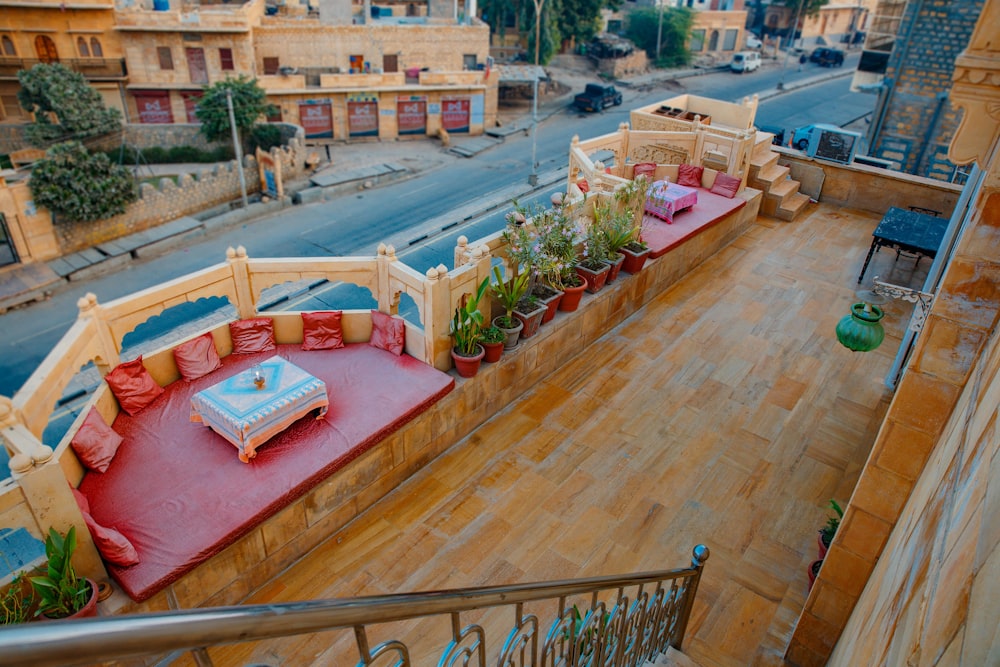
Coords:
pixel 724 413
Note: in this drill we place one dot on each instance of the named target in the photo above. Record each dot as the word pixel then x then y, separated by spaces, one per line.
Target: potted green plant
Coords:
pixel 492 339
pixel 631 201
pixel 827 532
pixel 595 264
pixel 466 326
pixel 619 230
pixel 17 601
pixel 61 593
pixel 508 293
pixel 529 255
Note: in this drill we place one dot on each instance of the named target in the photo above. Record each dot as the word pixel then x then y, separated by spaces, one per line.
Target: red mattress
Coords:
pixel 661 236
pixel 178 490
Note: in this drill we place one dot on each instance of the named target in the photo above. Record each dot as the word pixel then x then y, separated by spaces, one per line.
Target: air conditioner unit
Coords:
pixel 832 143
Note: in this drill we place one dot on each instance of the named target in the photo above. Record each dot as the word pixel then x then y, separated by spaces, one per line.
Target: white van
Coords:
pixel 745 61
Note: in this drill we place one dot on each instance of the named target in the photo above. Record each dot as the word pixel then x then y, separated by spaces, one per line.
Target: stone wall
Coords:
pixel 156 205
pixel 919 122
pixel 636 63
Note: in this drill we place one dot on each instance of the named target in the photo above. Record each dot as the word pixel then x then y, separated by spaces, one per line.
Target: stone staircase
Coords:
pixel 782 198
pixel 672 658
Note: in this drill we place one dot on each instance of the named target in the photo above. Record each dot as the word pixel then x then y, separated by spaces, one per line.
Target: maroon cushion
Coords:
pixel 81 500
pixel 197 358
pixel 133 386
pixel 114 547
pixel 95 443
pixel 726 185
pixel 583 185
pixel 253 335
pixel 689 175
pixel 644 169
pixel 388 333
pixel 322 330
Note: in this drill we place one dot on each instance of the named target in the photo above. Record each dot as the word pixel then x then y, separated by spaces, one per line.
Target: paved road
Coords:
pixel 448 192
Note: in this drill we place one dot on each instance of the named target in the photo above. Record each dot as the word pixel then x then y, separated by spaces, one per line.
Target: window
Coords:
pixel 8 46
pixel 95 48
pixel 81 46
pixel 226 59
pixel 166 58
pixel 729 40
pixel 697 40
pixel 271 66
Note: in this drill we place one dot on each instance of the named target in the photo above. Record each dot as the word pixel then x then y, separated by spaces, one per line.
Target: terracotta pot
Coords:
pixel 634 260
pixel 493 351
pixel 813 571
pixel 87 611
pixel 571 298
pixel 531 321
pixel 551 303
pixel 616 267
pixel 595 278
pixel 512 333
pixel 821 550
pixel 468 366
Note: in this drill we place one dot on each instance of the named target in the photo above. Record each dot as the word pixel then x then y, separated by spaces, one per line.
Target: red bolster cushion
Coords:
pixel 197 358
pixel 114 547
pixel 253 335
pixel 388 333
pixel 322 330
pixel 133 386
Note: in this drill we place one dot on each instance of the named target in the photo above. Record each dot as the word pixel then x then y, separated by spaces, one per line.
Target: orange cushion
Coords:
pixel 253 335
pixel 689 175
pixel 197 358
pixel 114 547
pixel 726 185
pixel 95 443
pixel 322 330
pixel 388 333
pixel 133 386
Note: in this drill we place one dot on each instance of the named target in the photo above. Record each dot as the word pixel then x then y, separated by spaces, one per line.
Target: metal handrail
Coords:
pixel 650 621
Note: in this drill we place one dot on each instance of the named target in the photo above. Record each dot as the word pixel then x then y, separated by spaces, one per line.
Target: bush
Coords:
pixel 81 186
pixel 172 155
pixel 265 137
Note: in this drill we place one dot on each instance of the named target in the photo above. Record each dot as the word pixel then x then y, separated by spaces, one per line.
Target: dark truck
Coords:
pixel 595 97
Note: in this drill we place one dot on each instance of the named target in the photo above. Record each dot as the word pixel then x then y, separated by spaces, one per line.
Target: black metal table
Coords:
pixel 907 231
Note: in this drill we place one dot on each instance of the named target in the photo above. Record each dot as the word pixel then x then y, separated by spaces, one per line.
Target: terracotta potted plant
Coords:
pixel 466 326
pixel 631 202
pixel 619 230
pixel 594 266
pixel 492 339
pixel 813 571
pixel 508 293
pixel 61 593
pixel 827 532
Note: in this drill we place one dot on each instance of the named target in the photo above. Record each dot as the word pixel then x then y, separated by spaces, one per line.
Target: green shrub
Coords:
pixel 79 185
pixel 265 137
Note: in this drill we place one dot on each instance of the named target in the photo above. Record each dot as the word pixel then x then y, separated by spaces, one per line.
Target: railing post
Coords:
pixel 237 259
pixel 698 557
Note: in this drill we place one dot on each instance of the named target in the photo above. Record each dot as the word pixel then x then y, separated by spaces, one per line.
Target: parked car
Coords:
pixel 745 61
pixel 596 97
pixel 753 42
pixel 827 57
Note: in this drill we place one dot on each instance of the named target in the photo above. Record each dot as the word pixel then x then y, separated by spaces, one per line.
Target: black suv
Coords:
pixel 827 57
pixel 595 97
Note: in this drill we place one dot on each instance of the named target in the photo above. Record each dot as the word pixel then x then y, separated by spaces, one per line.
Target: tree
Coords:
pixel 249 106
pixel 809 7
pixel 578 20
pixel 64 105
pixel 644 25
pixel 544 38
pixel 81 186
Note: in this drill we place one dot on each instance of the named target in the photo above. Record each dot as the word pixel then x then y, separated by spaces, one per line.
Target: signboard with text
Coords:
pixel 362 118
pixel 412 115
pixel 455 114
pixel 154 107
pixel 316 118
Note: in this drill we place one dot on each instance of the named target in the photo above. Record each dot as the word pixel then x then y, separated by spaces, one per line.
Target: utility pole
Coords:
pixel 236 147
pixel 533 176
pixel 795 27
pixel 659 28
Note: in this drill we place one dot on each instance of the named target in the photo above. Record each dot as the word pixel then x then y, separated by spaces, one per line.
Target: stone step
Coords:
pixel 674 658
pixel 768 176
pixel 792 207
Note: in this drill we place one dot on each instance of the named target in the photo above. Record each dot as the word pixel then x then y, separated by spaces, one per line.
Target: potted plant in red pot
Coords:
pixel 61 593
pixel 492 339
pixel 594 266
pixel 508 293
pixel 827 532
pixel 631 202
pixel 466 326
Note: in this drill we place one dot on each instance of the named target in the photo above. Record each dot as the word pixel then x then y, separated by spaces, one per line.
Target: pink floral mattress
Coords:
pixel 664 198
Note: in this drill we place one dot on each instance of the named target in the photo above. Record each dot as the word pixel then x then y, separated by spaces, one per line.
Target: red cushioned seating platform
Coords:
pixel 179 492
pixel 710 209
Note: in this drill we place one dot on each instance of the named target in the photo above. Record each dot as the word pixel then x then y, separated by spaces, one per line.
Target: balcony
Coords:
pixel 95 69
pixel 192 17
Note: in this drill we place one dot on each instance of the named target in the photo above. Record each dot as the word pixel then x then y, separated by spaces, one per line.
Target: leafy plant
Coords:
pixel 832 523
pixel 61 592
pixel 631 201
pixel 545 248
pixel 492 334
pixel 265 136
pixel 509 292
pixel 249 106
pixel 64 105
pixel 673 25
pixel 596 241
pixel 17 600
pixel 79 185
pixel 468 321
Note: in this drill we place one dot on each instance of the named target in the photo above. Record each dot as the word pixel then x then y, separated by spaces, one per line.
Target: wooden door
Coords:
pixel 390 63
pixel 197 69
pixel 46 49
